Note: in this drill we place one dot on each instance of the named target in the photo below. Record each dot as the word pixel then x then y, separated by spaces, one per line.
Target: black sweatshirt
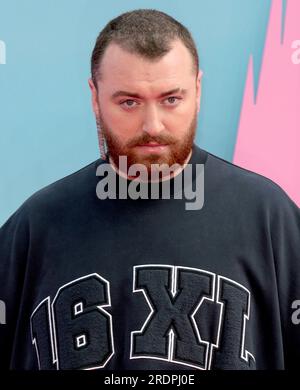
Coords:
pixel 148 284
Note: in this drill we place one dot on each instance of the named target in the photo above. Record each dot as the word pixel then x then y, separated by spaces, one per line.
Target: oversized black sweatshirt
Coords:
pixel 89 283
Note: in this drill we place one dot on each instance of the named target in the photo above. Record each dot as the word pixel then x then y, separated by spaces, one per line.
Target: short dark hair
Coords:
pixel 146 32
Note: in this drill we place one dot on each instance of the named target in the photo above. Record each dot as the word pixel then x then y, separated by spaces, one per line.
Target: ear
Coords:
pixel 198 89
pixel 94 96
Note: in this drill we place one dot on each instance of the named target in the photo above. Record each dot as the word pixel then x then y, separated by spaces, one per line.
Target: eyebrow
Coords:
pixel 136 95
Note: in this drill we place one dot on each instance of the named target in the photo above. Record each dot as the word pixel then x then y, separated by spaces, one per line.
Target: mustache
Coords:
pixel 146 138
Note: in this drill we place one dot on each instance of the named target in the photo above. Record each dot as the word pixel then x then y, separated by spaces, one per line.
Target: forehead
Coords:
pixel 121 68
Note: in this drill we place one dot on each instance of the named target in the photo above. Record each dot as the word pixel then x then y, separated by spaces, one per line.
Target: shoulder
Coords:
pixel 57 198
pixel 244 181
pixel 71 186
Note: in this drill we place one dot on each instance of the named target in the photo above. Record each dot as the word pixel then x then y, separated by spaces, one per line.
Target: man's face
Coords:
pixel 147 109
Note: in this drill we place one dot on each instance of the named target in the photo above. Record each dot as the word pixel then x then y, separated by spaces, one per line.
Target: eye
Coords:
pixel 129 103
pixel 172 100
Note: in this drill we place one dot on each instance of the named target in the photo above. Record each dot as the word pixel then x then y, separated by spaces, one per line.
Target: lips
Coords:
pixel 153 145
pixel 152 148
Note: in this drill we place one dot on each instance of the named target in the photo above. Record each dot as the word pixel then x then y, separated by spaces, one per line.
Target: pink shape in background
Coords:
pixel 268 140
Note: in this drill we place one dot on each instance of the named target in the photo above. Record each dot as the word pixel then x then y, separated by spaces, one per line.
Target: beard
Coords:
pixel 177 152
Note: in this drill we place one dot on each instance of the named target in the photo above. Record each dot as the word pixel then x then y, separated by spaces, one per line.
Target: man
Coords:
pixel 101 281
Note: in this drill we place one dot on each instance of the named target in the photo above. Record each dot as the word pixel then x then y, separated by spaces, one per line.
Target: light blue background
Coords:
pixel 47 128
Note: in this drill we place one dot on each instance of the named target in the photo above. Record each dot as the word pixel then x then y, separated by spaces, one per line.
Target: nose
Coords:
pixel 152 122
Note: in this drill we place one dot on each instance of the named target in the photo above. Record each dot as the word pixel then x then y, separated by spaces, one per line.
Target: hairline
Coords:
pixel 115 41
